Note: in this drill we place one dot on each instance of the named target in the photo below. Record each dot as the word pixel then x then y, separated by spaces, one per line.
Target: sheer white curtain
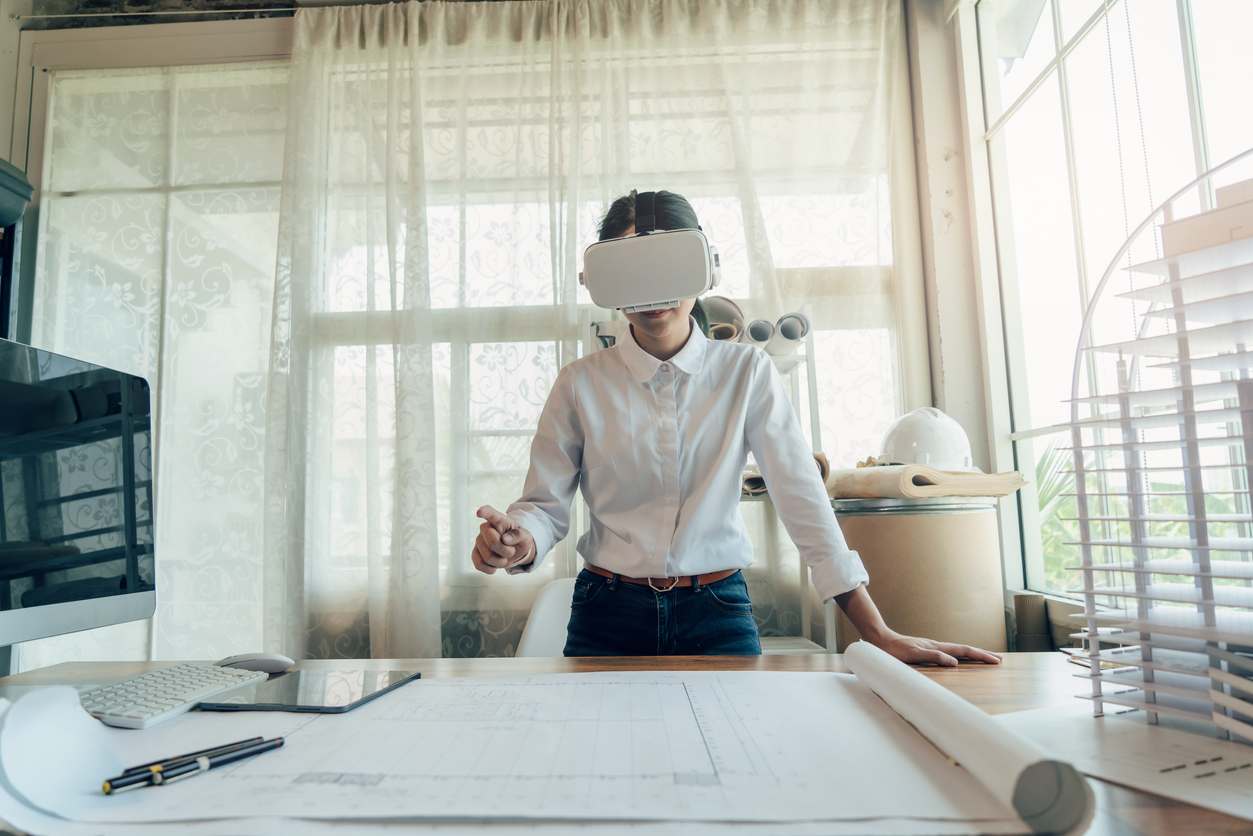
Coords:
pixel 445 164
pixel 441 167
pixel 157 226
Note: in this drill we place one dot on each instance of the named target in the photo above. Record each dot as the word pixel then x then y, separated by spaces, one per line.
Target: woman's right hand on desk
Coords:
pixel 502 543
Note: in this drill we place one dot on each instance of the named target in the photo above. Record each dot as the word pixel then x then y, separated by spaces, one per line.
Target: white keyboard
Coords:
pixel 147 699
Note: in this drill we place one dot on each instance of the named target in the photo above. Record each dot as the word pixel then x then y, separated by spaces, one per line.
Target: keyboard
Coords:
pixel 147 699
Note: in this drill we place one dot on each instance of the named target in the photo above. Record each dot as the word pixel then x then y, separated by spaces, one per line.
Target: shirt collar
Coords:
pixel 642 365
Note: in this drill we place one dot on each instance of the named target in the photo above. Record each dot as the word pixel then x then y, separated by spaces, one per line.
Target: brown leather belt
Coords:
pixel 666 584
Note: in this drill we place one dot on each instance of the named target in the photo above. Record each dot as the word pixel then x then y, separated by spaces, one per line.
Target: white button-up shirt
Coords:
pixel 659 450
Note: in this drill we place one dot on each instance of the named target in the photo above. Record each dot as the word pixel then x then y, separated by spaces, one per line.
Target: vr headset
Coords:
pixel 651 269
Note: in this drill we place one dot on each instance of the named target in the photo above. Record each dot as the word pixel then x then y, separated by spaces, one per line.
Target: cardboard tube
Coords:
pixel 931 574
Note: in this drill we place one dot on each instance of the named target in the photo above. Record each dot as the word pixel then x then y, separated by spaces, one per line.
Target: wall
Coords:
pixel 10 31
pixel 964 323
pixel 98 13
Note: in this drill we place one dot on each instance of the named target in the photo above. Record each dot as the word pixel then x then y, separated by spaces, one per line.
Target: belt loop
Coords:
pixel 613 582
pixel 696 583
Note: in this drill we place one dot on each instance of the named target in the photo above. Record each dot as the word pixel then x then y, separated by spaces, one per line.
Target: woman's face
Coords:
pixel 663 323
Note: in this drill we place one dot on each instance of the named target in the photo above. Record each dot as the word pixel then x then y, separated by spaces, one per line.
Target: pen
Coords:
pixel 150 774
pixel 156 766
pixel 206 762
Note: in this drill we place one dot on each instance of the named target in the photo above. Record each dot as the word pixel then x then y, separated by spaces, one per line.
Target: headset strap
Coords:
pixel 645 215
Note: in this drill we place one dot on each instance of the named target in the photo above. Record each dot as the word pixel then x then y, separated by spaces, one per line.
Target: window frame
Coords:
pixel 996 230
pixel 182 44
pixel 152 45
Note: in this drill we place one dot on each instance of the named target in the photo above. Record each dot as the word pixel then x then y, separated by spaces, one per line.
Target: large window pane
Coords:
pixel 1038 256
pixel 1043 247
pixel 1023 34
pixel 1130 126
pixel 1075 13
pixel 1221 29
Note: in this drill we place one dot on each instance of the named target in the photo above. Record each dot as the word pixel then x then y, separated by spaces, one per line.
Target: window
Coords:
pixel 156 254
pixel 1097 113
pixel 159 209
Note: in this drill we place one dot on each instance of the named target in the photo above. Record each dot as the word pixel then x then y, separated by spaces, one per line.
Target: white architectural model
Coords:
pixel 1163 462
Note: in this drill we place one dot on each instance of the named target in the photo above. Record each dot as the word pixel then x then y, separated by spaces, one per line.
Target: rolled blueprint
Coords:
pixel 758 332
pixel 917 481
pixel 788 333
pixel 1050 796
pixel 726 320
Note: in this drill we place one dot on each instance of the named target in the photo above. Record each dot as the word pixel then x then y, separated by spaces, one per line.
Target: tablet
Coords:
pixel 320 691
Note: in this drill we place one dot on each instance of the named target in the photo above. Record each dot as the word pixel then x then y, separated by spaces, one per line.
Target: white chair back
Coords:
pixel 545 630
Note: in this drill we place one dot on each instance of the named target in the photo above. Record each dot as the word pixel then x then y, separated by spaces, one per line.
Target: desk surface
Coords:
pixel 1025 681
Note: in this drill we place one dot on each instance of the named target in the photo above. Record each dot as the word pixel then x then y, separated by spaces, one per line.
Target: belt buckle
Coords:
pixel 673 583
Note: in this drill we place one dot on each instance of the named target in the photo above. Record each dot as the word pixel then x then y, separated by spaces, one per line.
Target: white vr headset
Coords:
pixel 651 269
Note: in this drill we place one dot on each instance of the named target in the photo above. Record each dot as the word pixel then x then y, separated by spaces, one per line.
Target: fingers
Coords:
pixel 480 555
pixel 974 654
pixel 937 657
pixel 501 543
pixel 495 543
pixel 495 519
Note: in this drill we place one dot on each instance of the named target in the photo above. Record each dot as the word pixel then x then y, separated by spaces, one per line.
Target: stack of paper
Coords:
pixel 886 752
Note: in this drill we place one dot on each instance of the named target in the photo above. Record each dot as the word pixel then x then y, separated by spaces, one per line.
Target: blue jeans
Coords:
pixel 609 617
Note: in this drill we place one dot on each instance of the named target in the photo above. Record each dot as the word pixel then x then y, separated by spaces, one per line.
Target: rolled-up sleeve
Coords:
pixel 795 486
pixel 553 477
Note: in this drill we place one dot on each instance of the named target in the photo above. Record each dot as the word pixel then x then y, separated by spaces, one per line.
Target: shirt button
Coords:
pixel 665 368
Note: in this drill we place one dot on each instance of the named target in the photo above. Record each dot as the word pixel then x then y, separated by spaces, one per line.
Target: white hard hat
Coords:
pixel 927 436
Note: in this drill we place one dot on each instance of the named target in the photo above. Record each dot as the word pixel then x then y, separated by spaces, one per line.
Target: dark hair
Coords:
pixel 672 211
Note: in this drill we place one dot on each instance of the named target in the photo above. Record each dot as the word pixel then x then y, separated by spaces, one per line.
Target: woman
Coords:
pixel 656 429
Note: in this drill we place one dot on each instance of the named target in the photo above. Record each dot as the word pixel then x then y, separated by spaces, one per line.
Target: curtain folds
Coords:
pixel 445 164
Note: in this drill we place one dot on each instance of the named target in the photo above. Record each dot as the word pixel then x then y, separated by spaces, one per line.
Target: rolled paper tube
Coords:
pixel 789 331
pixel 758 332
pixel 723 331
pixel 824 467
pixel 755 484
pixel 723 311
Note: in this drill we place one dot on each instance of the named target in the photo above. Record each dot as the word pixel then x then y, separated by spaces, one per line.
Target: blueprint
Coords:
pixel 744 747
pixel 1177 759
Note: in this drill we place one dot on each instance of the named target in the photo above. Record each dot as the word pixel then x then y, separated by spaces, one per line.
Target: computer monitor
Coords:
pixel 76 492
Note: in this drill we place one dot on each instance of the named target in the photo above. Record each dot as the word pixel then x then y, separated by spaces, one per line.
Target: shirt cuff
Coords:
pixel 838 574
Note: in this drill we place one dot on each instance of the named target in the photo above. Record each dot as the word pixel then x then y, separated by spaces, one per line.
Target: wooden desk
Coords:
pixel 1024 681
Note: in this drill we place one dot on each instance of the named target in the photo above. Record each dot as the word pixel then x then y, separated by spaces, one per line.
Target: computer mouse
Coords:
pixel 266 662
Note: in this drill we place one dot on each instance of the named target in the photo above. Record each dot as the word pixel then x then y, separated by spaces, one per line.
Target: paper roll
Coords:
pixel 723 312
pixel 758 332
pixel 788 333
pixel 917 481
pixel 755 483
pixel 1049 795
